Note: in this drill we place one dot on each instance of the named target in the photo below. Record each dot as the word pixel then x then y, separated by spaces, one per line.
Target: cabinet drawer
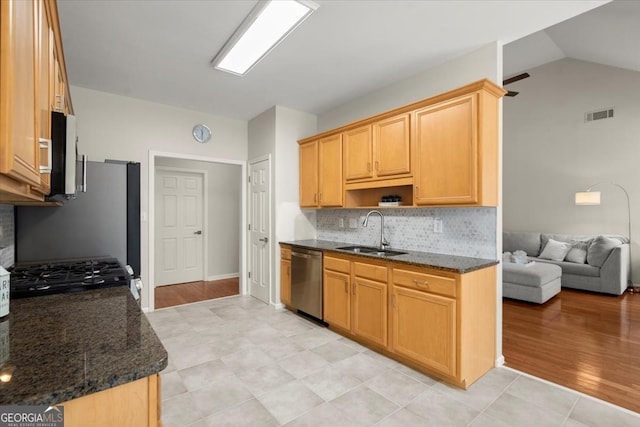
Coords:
pixel 425 282
pixel 337 264
pixel 370 271
pixel 285 252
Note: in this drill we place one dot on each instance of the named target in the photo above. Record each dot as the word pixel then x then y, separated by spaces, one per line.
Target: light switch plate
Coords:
pixel 353 223
pixel 437 225
pixel 341 222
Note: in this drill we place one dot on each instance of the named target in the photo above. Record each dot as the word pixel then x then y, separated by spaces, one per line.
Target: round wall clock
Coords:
pixel 201 133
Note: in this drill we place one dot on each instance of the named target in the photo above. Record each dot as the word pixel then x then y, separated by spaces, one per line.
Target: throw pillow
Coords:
pixel 599 250
pixel 578 252
pixel 555 251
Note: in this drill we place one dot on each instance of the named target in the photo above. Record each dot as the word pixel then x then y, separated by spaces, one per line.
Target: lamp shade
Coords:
pixel 588 198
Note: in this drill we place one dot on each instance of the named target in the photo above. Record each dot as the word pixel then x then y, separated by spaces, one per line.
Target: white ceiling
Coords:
pixel 160 50
pixel 608 35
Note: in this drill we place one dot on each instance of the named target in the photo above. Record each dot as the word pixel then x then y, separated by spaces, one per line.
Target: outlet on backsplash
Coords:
pixel 341 222
pixel 437 225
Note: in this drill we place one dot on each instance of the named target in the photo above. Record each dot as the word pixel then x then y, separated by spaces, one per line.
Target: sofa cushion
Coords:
pixel 578 252
pixel 521 240
pixel 544 238
pixel 555 250
pixel 573 268
pixel 599 250
pixel 536 274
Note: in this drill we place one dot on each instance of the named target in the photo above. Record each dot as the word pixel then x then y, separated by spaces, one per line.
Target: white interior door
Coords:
pixel 179 243
pixel 260 227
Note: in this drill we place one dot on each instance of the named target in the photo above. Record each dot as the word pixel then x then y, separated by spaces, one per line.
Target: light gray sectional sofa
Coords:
pixel 605 263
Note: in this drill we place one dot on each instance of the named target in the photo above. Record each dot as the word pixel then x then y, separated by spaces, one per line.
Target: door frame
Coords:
pixel 151 223
pixel 270 247
pixel 205 212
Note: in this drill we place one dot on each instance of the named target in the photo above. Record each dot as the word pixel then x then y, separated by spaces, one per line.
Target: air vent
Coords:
pixel 607 113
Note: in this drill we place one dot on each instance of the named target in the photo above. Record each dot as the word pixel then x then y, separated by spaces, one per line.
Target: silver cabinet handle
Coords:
pixel 265 240
pixel 197 232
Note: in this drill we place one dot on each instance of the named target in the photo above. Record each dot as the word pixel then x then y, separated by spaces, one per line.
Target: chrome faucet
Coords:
pixel 383 241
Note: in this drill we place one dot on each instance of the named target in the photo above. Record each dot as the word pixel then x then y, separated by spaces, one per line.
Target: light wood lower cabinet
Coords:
pixel 134 404
pixel 442 323
pixel 285 274
pixel 337 299
pixel 355 303
pixel 424 328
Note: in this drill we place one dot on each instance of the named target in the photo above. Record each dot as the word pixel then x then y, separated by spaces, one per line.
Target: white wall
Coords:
pixel 292 223
pixel 275 132
pixel 550 152
pixel 223 222
pixel 458 72
pixel 118 127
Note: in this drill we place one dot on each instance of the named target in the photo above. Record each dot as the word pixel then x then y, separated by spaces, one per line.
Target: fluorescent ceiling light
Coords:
pixel 267 25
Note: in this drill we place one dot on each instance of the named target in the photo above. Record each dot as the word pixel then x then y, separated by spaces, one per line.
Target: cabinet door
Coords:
pixel 391 146
pixel 19 146
pixel 44 98
pixel 330 153
pixel 370 310
pixel 309 174
pixel 285 281
pixel 424 328
pixel 358 154
pixel 447 153
pixel 336 304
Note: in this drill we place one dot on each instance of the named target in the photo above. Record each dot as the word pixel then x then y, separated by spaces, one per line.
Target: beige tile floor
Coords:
pixel 238 362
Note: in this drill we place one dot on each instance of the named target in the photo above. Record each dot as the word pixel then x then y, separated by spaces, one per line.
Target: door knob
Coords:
pixel 197 232
pixel 265 240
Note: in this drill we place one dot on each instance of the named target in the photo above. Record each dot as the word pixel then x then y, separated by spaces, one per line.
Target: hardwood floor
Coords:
pixel 183 293
pixel 585 341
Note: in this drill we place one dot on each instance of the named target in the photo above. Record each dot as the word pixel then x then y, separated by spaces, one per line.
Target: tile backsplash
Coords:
pixel 465 231
pixel 7 247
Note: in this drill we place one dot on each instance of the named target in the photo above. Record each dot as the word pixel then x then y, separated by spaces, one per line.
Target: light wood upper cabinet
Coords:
pixel 441 151
pixel 309 174
pixel 321 172
pixel 457 151
pixel 381 150
pixel 19 100
pixel 392 147
pixel 447 153
pixel 31 66
pixel 358 154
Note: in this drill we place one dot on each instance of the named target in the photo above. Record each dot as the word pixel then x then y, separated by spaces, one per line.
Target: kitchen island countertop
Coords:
pixel 453 263
pixel 61 347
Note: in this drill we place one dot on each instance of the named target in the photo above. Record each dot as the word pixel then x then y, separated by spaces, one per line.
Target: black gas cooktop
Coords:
pixel 52 277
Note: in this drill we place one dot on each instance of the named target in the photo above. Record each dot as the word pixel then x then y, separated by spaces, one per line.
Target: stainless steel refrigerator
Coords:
pixel 103 221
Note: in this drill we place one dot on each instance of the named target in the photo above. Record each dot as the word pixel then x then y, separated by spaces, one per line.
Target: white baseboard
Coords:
pixel 499 361
pixel 223 276
pixel 278 306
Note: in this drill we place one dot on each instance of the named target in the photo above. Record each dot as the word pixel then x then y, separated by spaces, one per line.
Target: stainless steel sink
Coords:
pixel 370 250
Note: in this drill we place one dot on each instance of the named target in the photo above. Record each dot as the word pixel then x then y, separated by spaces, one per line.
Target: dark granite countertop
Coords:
pixel 61 347
pixel 453 263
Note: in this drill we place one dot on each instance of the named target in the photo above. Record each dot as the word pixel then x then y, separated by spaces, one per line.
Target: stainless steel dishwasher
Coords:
pixel 306 281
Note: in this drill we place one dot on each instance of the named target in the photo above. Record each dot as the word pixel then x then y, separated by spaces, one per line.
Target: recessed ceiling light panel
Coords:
pixel 267 25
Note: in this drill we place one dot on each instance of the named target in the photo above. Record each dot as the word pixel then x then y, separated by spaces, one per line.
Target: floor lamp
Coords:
pixel 588 197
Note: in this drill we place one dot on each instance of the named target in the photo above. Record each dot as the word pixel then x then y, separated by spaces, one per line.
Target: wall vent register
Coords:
pixel 606 113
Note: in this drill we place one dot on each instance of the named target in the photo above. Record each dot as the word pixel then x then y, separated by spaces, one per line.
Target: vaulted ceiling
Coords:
pixel 160 50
